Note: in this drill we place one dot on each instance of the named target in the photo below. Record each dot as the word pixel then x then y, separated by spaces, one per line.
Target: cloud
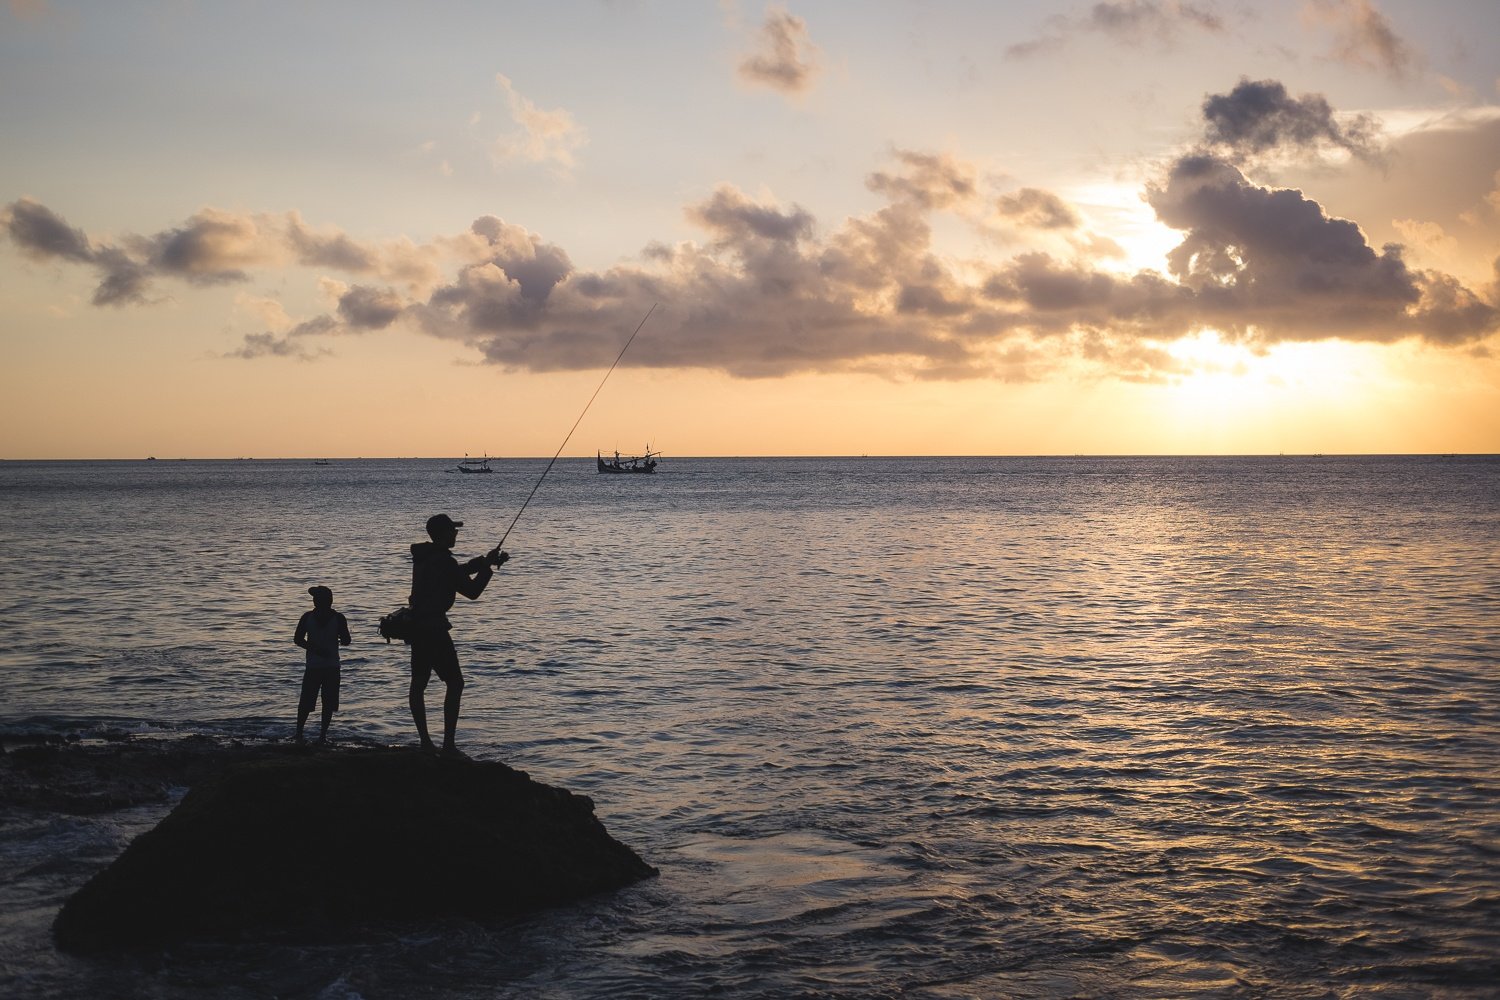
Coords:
pixel 215 247
pixel 1128 22
pixel 734 218
pixel 927 181
pixel 370 308
pixel 330 249
pixel 785 58
pixel 1363 37
pixel 1261 117
pixel 768 291
pixel 1033 208
pixel 212 248
pixel 268 345
pixel 40 233
pixel 545 136
pixel 122 279
pixel 1270 264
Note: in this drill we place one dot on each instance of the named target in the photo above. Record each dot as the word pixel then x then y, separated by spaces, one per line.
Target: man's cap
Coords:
pixel 438 522
pixel 320 589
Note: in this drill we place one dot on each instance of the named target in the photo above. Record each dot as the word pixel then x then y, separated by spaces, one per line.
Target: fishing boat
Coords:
pixel 628 463
pixel 322 461
pixel 475 464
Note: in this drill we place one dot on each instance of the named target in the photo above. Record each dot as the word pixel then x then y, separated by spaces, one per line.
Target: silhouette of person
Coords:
pixel 436 580
pixel 321 632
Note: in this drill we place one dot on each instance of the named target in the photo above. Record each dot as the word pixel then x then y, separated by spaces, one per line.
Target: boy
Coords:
pixel 321 632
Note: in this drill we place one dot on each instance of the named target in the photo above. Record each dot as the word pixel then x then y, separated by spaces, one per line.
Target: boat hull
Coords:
pixel 611 469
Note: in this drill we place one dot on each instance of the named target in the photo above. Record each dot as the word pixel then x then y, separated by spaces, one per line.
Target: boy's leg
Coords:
pixel 330 702
pixel 305 702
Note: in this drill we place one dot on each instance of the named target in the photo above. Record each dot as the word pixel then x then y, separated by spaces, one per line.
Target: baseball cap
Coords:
pixel 438 522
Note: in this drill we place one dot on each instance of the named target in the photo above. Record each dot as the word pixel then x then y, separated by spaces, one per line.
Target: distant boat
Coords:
pixel 627 464
pixel 322 461
pixel 475 464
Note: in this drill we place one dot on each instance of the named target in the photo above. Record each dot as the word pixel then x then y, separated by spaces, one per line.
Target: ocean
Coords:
pixel 920 728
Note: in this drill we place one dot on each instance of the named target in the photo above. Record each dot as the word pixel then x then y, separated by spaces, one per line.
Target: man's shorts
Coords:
pixel 320 680
pixel 433 653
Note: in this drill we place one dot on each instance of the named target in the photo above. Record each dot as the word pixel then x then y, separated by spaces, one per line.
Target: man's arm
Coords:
pixel 343 631
pixel 300 636
pixel 472 588
pixel 479 566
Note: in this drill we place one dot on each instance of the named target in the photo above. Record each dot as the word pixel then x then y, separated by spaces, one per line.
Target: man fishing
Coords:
pixel 436 580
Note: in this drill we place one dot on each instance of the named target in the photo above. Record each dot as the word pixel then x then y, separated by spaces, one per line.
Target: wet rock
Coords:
pixel 49 774
pixel 313 843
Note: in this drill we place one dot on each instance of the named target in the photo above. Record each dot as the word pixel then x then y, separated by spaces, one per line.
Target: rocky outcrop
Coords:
pixel 321 842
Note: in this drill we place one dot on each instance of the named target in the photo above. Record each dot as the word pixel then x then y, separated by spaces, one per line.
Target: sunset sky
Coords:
pixel 887 228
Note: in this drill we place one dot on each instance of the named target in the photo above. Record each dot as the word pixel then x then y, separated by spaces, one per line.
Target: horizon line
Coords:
pixel 851 457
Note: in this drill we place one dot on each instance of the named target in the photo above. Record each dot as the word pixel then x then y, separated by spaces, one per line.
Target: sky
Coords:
pixel 265 229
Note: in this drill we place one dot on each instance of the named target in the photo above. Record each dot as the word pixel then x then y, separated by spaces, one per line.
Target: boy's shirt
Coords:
pixel 323 633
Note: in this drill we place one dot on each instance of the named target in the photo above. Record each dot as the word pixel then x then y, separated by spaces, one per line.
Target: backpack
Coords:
pixel 399 624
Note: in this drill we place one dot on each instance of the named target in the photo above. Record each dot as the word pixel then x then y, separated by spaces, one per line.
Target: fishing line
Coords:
pixel 576 423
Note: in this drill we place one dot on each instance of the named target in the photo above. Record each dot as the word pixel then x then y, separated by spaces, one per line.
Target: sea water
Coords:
pixel 926 728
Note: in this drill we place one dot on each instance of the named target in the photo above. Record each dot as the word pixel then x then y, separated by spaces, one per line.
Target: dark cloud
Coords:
pixel 1260 116
pixel 784 58
pixel 1034 208
pixel 370 308
pixel 1049 297
pixel 40 233
pixel 763 297
pixel 534 266
pixel 122 279
pixel 1271 263
pixel 734 218
pixel 1128 22
pixel 212 248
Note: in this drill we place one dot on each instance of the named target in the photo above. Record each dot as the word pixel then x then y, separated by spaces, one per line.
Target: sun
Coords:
pixel 1228 397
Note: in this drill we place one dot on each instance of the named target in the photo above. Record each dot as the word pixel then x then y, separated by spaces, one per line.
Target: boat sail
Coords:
pixel 627 463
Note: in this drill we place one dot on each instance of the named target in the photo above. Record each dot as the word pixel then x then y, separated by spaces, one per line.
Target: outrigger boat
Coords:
pixel 630 463
pixel 475 464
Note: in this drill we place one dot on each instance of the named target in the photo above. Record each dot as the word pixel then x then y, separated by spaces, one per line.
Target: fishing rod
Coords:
pixel 575 425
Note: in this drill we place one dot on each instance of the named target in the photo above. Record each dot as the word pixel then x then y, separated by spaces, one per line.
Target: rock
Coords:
pixel 310 844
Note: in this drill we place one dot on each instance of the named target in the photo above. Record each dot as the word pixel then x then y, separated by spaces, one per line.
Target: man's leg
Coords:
pixel 450 711
pixel 446 664
pixel 421 670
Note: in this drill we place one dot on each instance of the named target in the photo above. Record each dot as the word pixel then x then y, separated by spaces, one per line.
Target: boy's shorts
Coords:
pixel 319 680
